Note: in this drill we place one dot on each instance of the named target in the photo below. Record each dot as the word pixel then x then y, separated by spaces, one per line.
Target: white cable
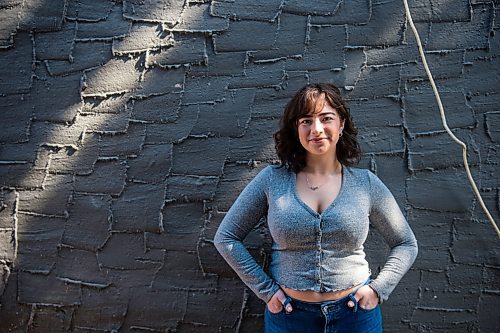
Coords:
pixel 443 119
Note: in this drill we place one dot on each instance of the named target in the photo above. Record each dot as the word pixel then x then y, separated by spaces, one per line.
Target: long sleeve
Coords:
pixel 250 206
pixel 387 218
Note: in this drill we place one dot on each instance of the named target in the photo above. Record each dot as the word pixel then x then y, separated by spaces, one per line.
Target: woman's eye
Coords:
pixel 305 121
pixel 327 119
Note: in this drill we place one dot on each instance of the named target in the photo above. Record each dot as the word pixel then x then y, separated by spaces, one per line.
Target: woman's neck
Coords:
pixel 322 165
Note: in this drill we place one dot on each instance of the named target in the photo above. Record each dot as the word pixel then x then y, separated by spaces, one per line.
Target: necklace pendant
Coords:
pixel 313 188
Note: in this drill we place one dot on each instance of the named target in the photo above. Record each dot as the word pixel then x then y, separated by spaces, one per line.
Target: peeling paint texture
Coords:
pixel 129 127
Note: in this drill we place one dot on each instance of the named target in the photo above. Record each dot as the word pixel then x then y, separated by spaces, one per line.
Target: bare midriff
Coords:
pixel 314 296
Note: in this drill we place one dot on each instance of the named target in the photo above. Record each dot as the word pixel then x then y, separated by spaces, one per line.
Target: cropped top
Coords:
pixel 313 251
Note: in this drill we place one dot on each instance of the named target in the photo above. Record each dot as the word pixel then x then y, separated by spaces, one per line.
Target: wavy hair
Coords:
pixel 309 100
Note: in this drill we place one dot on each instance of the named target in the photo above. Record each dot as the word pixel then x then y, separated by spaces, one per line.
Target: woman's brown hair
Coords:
pixel 304 102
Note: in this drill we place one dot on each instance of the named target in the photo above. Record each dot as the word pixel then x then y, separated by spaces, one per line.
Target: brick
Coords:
pixel 184 50
pixel 38 239
pixel 41 289
pixel 36 16
pixel 420 116
pixel 388 112
pixel 220 64
pixel 437 296
pixel 16 122
pixel 322 41
pixel 375 34
pixel 256 144
pixel 80 161
pixel 442 65
pixel 202 157
pixel 462 35
pixel 487 313
pixel 267 106
pixel 51 200
pixel 171 132
pixel 346 12
pixel 13 316
pixel 376 82
pixel 80 267
pixel 483 74
pixel 157 81
pixel 21 176
pixel 143 37
pixel 433 231
pixel 123 144
pixel 115 77
pixel 440 11
pixel 112 104
pixel 126 251
pixel 88 10
pixel 55 99
pixel 382 140
pixel 448 191
pixel 392 170
pixel 153 11
pixel 113 26
pixel 198 312
pixel 181 271
pixel 191 188
pixel 233 181
pixel 108 177
pixel 182 224
pixel 128 279
pixel 88 224
pixel 473 243
pixel 10 18
pixel 198 18
pixel 106 122
pixel 237 38
pixel 204 89
pixel 84 55
pixel 139 208
pixel 7 245
pixel 101 309
pixel 154 310
pixel 256 10
pixel 436 152
pixel 323 7
pixel 260 75
pixel 8 206
pixel 151 165
pixel 55 45
pixel 228 118
pixel 51 319
pixel 483 103
pixel 159 109
pixel 16 69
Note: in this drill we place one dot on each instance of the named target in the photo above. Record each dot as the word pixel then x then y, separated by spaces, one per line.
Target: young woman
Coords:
pixel 318 209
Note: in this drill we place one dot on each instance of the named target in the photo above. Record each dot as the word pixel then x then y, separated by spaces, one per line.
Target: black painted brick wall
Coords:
pixel 129 127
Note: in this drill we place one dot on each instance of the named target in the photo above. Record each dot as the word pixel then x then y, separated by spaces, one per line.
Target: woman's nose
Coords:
pixel 317 126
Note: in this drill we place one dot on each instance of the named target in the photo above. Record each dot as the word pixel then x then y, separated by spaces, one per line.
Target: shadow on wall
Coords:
pixel 129 128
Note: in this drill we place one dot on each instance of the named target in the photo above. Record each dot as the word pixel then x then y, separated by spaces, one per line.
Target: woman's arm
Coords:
pixel 250 206
pixel 387 218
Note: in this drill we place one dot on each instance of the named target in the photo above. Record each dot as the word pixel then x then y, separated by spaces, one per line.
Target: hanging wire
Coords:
pixel 443 119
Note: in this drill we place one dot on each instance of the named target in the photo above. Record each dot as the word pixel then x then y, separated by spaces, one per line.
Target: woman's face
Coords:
pixel 319 132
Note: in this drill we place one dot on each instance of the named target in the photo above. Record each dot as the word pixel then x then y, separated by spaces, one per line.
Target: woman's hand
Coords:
pixel 276 302
pixel 366 297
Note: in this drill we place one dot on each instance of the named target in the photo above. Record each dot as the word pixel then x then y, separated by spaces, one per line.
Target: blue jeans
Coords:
pixel 324 317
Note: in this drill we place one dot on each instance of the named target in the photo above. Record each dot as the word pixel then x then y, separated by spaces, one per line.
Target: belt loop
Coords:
pixel 353 299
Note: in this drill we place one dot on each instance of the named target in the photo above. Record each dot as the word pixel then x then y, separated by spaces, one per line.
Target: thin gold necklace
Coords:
pixel 315 188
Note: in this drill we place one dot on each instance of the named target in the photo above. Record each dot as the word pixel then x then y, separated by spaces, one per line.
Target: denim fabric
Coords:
pixel 316 251
pixel 324 317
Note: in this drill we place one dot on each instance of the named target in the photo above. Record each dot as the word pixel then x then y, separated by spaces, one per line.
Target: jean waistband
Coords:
pixel 316 305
